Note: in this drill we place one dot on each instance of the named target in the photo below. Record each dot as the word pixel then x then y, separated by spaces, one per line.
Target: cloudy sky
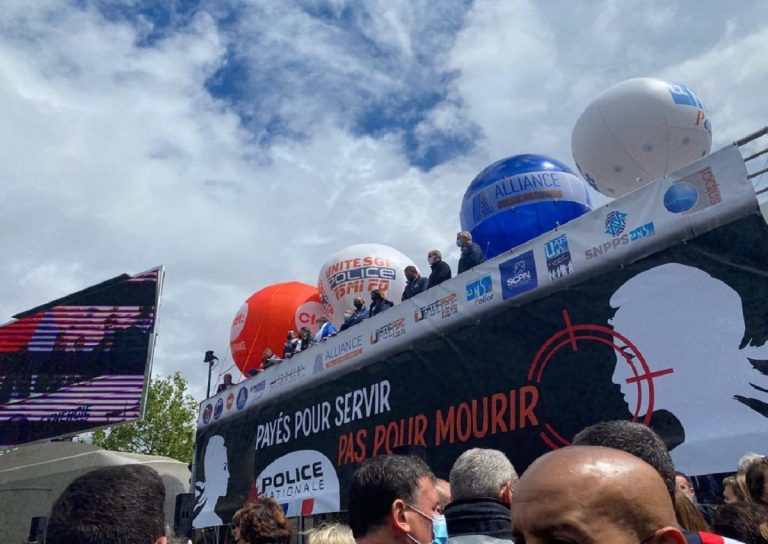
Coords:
pixel 242 143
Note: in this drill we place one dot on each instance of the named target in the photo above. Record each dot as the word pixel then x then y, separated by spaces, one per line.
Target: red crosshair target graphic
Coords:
pixel 569 337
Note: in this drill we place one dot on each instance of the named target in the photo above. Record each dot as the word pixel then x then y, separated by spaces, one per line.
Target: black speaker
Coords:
pixel 37 530
pixel 182 514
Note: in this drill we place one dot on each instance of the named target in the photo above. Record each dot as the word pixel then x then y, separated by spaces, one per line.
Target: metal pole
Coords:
pixel 758 173
pixel 754 136
pixel 210 369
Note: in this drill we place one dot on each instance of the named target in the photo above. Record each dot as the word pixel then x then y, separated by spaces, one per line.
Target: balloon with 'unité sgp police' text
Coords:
pixel 357 270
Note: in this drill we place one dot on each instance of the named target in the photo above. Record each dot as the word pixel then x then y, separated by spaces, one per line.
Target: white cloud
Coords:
pixel 731 78
pixel 116 157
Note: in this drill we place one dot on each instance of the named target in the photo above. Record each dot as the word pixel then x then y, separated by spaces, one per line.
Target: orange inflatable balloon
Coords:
pixel 266 317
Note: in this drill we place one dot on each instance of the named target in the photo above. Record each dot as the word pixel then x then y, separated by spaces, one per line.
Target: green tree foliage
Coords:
pixel 168 426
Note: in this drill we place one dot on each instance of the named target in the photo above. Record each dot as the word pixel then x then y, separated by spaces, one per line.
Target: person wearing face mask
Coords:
pixel 416 282
pixel 393 500
pixel 378 303
pixel 471 253
pixel 358 315
pixel 440 269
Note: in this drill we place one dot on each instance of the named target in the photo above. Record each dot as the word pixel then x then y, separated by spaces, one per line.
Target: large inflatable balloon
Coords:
pixel 518 198
pixel 356 271
pixel 638 131
pixel 266 317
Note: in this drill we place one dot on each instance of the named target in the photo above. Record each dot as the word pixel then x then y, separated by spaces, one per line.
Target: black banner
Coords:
pixel 673 340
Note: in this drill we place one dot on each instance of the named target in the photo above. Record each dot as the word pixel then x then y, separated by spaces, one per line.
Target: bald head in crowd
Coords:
pixel 592 495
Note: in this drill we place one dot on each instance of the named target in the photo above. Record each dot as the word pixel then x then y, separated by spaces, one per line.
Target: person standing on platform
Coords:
pixel 360 313
pixel 416 282
pixel 440 269
pixel 326 330
pixel 378 303
pixel 471 253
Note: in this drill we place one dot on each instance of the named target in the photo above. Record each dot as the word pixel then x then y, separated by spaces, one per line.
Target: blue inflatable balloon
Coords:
pixel 518 198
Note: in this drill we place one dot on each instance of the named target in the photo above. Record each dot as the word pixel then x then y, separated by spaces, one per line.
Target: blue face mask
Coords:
pixel 439 527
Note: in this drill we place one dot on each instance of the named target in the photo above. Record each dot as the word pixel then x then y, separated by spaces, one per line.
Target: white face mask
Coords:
pixel 459 243
pixel 432 260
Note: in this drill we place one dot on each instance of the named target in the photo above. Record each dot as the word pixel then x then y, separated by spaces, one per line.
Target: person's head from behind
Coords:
pixel 228 379
pixel 444 497
pixel 392 498
pixel 747 460
pixel 743 521
pixel 735 489
pixel 635 439
pixel 118 504
pixel 333 533
pixel 483 474
pixel 305 332
pixel 261 522
pixel 757 481
pixel 587 495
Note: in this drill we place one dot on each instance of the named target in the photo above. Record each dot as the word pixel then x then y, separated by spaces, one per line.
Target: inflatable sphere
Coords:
pixel 356 271
pixel 638 131
pixel 266 317
pixel 518 198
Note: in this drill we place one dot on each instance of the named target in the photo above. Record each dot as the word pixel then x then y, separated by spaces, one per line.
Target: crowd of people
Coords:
pixel 615 485
pixel 471 255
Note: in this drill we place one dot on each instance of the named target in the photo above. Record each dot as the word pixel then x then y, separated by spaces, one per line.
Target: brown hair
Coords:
pixel 688 516
pixel 261 522
pixel 738 484
pixel 742 521
pixel 757 481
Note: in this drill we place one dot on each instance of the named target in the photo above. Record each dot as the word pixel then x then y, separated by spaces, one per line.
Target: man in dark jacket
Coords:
pixel 482 482
pixel 440 269
pixel 378 303
pixel 360 313
pixel 416 282
pixel 471 253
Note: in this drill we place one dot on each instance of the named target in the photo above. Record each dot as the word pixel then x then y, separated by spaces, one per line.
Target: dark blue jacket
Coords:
pixel 379 307
pixel 471 256
pixel 413 288
pixel 357 317
pixel 440 273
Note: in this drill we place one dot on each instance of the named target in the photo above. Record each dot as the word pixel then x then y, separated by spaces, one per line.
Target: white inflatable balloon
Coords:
pixel 638 131
pixel 356 271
